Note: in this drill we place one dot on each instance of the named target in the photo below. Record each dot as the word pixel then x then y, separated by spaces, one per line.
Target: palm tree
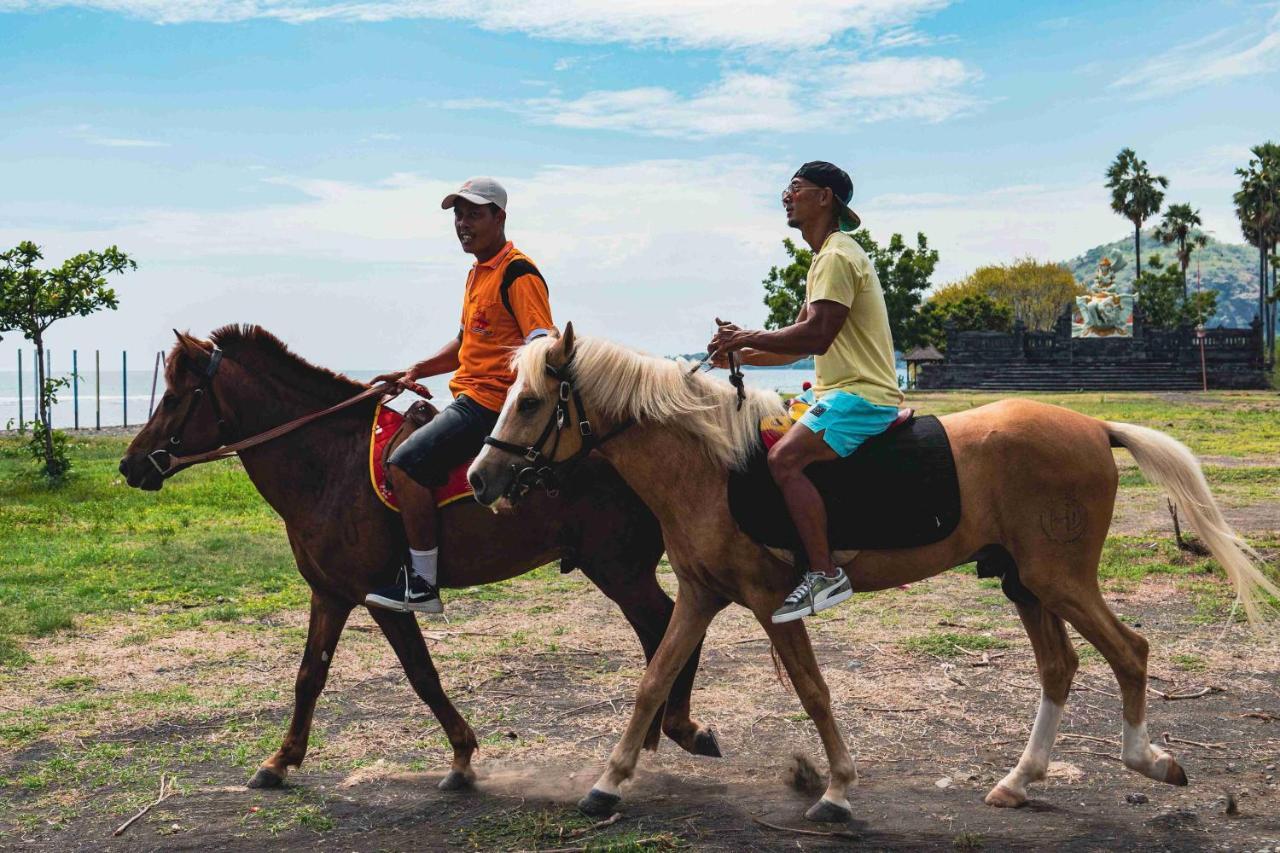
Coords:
pixel 1136 194
pixel 1179 226
pixel 1258 209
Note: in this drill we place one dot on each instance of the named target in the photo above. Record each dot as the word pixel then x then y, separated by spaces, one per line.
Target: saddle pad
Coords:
pixel 386 424
pixel 898 490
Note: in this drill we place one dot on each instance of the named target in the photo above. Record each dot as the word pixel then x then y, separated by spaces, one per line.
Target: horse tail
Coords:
pixel 1168 464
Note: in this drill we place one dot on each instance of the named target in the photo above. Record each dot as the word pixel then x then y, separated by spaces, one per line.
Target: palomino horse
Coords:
pixel 346 541
pixel 1021 465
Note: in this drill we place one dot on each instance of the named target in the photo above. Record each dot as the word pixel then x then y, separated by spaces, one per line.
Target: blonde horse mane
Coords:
pixel 622 383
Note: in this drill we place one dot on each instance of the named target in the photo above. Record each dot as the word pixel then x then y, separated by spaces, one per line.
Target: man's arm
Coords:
pixel 444 361
pixel 812 333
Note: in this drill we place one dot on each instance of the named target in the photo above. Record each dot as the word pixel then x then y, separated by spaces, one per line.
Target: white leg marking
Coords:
pixel 605 784
pixel 1035 758
pixel 1139 754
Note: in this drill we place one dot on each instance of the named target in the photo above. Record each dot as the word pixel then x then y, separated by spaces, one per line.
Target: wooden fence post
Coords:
pixel 20 426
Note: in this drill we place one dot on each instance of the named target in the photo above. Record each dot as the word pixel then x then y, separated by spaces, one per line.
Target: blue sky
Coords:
pixel 282 162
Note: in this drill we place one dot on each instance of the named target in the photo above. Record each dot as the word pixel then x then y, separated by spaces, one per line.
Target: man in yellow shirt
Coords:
pixel 844 325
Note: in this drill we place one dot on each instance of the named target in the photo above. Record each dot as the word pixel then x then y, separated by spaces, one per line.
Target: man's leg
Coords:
pixel 795 451
pixel 419 515
pixel 425 459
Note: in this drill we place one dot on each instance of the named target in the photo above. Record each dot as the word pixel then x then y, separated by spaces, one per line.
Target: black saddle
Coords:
pixel 898 490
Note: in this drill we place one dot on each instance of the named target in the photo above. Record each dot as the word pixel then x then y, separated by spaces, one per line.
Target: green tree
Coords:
pixel 1034 291
pixel 1136 194
pixel 1158 292
pixel 903 271
pixel 784 287
pixel 971 312
pixel 32 300
pixel 1180 225
pixel 1258 209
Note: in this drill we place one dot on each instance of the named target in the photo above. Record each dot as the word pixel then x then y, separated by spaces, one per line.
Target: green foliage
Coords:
pixel 903 271
pixel 1136 194
pixel 972 312
pixel 1034 291
pixel 784 286
pixel 1180 225
pixel 1159 292
pixel 32 300
pixel 904 274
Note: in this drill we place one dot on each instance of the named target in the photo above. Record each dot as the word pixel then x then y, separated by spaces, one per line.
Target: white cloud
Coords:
pixel 829 95
pixel 117 142
pixel 686 23
pixel 1220 56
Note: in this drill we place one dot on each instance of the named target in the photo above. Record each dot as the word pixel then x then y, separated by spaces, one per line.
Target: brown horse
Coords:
pixel 1037 486
pixel 346 541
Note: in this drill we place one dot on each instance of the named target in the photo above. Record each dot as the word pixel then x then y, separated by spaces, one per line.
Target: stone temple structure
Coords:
pixel 1099 343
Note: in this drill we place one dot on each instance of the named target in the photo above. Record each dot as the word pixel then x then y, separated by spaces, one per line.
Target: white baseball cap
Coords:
pixel 478 191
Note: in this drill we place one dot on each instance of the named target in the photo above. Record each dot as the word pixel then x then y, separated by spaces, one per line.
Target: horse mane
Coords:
pixel 624 383
pixel 262 352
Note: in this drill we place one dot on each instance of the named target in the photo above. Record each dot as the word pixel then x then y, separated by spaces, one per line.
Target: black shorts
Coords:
pixel 452 437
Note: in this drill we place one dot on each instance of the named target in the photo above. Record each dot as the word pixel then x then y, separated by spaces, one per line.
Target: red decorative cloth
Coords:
pixel 385 423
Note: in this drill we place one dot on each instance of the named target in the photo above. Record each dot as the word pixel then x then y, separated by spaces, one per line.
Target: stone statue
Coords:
pixel 1103 312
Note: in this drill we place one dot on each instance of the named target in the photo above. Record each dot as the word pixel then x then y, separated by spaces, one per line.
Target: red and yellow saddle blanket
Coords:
pixel 386 422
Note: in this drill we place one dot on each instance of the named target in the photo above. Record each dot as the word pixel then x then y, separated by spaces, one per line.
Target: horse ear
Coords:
pixel 192 348
pixel 566 340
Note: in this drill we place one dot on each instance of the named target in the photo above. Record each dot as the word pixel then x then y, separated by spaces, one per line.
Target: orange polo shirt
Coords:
pixel 489 331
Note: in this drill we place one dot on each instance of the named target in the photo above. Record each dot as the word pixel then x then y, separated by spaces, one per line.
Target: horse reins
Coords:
pixel 736 379
pixel 541 468
pixel 173 463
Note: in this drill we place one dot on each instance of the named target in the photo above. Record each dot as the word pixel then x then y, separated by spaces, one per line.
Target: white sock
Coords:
pixel 424 564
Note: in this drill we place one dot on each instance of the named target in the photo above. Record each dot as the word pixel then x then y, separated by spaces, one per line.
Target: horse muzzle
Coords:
pixel 141 471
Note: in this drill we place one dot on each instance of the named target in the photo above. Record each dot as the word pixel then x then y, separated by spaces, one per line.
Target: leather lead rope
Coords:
pixel 228 450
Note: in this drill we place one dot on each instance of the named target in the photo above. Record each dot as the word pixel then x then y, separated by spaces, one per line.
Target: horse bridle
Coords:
pixel 541 468
pixel 204 389
pixel 172 464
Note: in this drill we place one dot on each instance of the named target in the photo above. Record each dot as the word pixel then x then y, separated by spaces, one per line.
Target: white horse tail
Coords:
pixel 1168 463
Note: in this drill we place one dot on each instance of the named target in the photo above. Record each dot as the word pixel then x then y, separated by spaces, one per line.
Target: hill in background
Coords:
pixel 1229 268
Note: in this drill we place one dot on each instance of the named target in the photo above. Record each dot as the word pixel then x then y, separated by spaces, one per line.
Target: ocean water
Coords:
pixel 103 400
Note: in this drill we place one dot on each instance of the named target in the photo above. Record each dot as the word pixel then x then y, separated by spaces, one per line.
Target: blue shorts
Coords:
pixel 846 420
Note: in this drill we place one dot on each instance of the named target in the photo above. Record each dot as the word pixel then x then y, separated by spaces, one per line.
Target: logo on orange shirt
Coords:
pixel 480 323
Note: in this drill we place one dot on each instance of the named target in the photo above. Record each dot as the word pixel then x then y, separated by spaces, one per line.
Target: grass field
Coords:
pixel 143 633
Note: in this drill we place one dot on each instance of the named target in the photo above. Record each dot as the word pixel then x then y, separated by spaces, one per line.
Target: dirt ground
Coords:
pixel 545 671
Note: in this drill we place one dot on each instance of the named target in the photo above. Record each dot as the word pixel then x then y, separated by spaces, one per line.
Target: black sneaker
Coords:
pixel 409 594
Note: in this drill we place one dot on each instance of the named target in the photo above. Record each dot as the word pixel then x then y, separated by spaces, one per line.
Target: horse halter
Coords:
pixel 205 388
pixel 541 469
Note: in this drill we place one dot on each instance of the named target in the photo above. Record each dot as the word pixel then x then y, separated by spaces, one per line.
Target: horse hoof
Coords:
pixel 458 780
pixel 1175 775
pixel 705 743
pixel 825 811
pixel 1002 798
pixel 265 778
pixel 598 804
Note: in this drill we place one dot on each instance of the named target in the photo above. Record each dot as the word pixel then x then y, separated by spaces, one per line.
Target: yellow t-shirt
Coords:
pixel 860 359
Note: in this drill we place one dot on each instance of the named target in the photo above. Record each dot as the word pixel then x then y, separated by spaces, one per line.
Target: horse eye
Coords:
pixel 527 404
pixel 168 400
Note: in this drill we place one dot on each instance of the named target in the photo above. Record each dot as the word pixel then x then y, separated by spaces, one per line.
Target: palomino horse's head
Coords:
pixel 188 419
pixel 542 424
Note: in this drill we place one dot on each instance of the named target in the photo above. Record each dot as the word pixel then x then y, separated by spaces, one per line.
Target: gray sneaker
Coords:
pixel 816 592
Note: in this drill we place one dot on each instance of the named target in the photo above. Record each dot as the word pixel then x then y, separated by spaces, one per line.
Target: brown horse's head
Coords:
pixel 540 415
pixel 185 420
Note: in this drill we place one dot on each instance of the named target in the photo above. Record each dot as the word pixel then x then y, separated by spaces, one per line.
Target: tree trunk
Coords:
pixel 1185 260
pixel 1137 250
pixel 42 405
pixel 1262 292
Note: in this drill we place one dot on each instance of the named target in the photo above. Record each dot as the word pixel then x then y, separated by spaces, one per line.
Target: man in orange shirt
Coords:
pixel 505 305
